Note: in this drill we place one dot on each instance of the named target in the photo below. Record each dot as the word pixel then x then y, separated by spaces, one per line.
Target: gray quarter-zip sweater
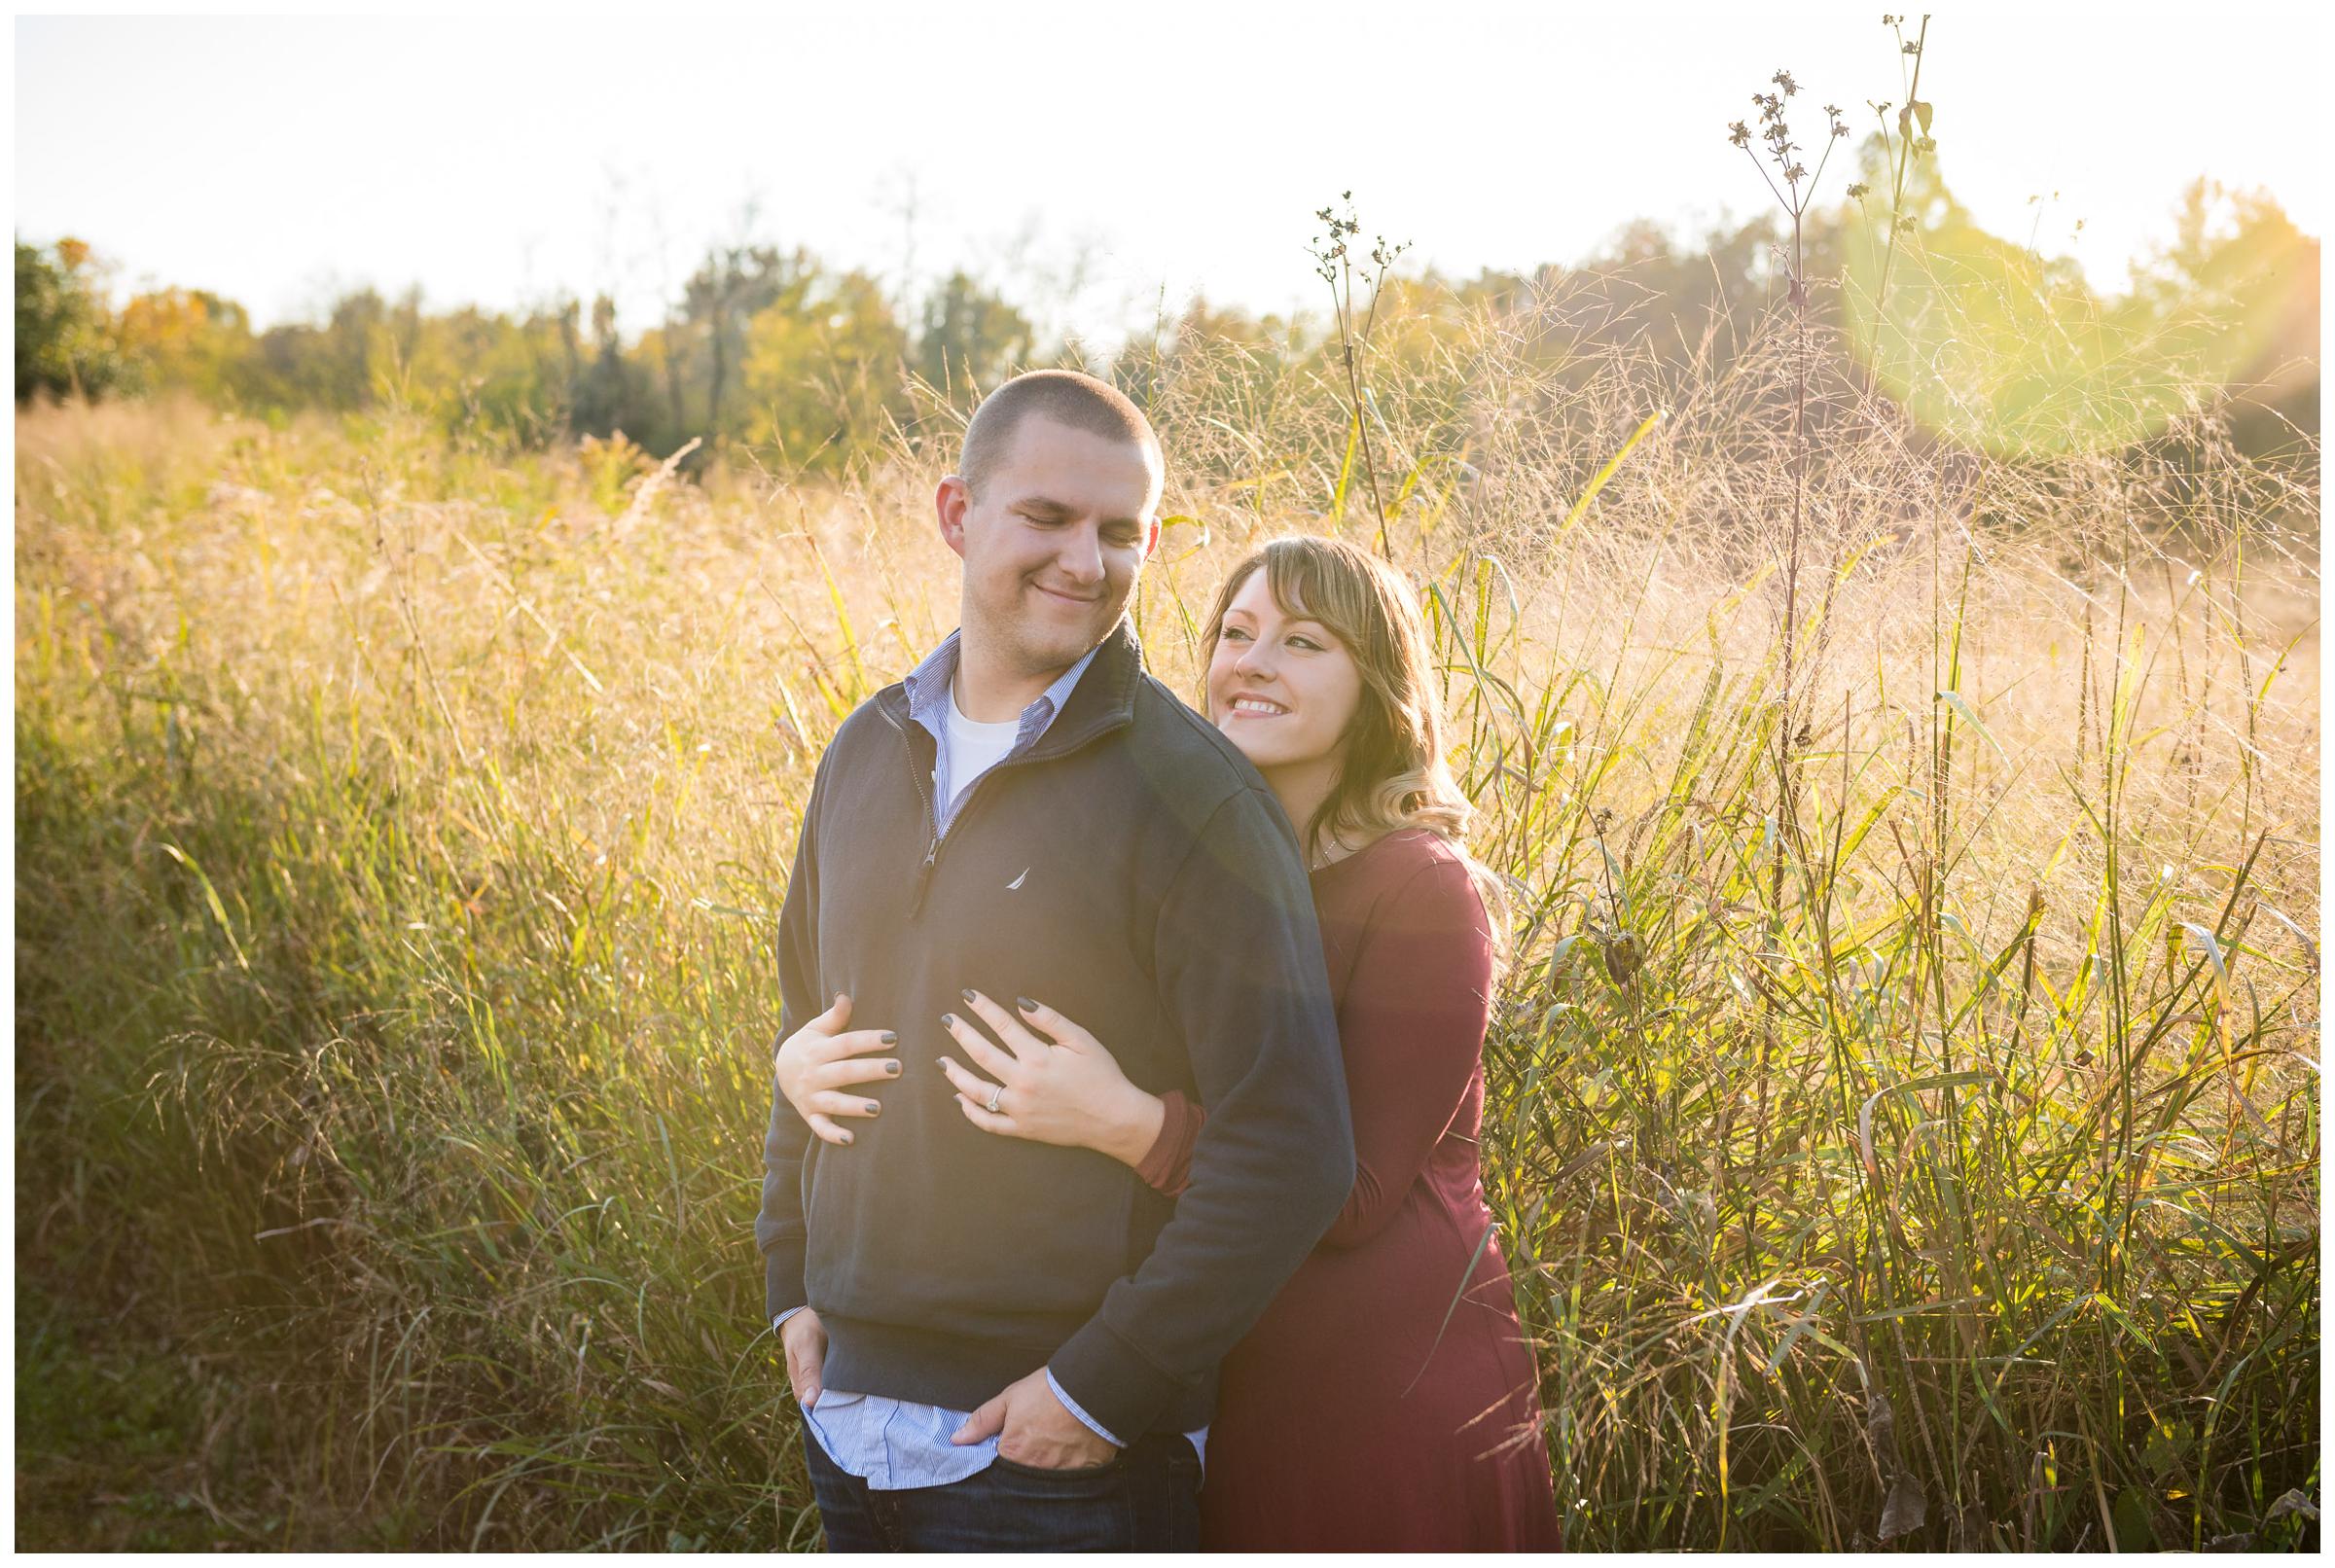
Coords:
pixel 1131 870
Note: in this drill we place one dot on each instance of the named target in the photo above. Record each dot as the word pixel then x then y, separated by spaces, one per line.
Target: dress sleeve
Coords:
pixel 1411 1027
pixel 1168 1164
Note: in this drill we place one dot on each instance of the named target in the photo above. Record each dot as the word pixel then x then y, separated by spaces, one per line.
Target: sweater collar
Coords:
pixel 1102 693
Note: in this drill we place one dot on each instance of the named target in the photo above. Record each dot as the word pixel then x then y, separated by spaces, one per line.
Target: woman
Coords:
pixel 1376 1404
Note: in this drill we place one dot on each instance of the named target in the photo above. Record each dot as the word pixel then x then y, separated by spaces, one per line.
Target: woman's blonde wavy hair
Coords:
pixel 1393 774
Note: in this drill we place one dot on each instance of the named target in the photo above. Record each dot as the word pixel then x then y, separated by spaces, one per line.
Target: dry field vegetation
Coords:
pixel 1903 1114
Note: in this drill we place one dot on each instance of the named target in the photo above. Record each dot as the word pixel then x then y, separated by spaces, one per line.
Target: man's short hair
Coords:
pixel 1068 398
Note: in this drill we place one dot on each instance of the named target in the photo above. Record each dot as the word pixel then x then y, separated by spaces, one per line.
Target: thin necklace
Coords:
pixel 1323 858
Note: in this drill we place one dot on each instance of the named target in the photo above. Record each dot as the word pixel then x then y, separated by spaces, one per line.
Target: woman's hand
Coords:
pixel 1053 1082
pixel 816 1063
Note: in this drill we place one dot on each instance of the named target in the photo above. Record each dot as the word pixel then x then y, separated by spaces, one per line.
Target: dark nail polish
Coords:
pixel 949 1020
pixel 1025 1004
pixel 873 1108
pixel 846 1137
pixel 892 1067
pixel 889 1037
pixel 967 994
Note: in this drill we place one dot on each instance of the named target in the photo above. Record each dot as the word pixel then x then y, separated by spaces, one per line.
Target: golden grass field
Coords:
pixel 1903 1106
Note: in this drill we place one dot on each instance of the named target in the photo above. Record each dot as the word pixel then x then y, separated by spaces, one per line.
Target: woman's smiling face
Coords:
pixel 1280 685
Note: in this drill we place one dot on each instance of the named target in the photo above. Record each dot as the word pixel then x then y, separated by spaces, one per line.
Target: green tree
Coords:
pixel 472 367
pixel 2239 259
pixel 605 392
pixel 65 344
pixel 1992 344
pixel 707 343
pixel 823 372
pixel 971 339
pixel 187 339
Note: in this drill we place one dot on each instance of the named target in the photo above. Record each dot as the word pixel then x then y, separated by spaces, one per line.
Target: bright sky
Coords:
pixel 1081 151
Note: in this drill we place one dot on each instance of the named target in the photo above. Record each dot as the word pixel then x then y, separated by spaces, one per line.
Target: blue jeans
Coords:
pixel 1147 1499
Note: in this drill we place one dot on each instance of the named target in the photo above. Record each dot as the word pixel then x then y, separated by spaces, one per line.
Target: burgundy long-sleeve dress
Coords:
pixel 1366 1411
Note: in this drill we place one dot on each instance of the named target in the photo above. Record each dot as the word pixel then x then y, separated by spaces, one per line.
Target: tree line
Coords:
pixel 765 347
pixel 809 366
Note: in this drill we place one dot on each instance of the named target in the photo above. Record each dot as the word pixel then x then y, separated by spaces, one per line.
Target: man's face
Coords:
pixel 1051 545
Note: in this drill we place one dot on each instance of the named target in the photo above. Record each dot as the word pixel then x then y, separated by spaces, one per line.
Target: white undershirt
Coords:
pixel 973 748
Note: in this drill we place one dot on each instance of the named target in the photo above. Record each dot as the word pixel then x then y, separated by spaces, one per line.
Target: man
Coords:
pixel 1005 1344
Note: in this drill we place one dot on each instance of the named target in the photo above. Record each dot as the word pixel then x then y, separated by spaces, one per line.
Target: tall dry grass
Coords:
pixel 1927 1152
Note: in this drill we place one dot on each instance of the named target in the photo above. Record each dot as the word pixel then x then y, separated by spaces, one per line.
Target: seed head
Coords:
pixel 1623 957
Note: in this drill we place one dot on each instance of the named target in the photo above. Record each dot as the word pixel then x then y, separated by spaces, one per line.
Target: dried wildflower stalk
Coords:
pixel 1334 259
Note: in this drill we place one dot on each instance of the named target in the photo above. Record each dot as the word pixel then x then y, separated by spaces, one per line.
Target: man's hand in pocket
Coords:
pixel 1036 1429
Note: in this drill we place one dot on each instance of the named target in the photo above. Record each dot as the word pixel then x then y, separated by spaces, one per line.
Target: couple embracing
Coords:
pixel 1121 1182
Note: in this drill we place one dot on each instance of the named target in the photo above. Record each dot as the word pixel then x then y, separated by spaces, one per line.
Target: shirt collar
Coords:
pixel 928 689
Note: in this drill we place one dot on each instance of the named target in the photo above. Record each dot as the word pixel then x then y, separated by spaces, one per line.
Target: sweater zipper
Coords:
pixel 932 855
pixel 932 815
